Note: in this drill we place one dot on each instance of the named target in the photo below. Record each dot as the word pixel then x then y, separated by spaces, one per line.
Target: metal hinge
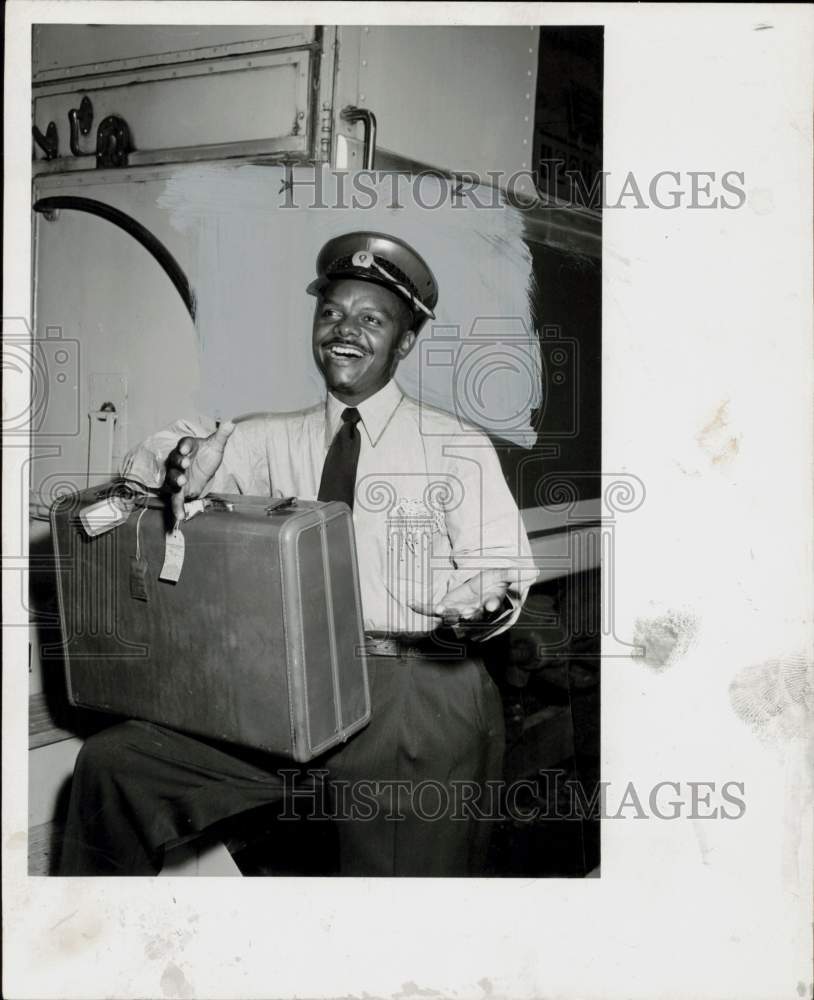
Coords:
pixel 325 131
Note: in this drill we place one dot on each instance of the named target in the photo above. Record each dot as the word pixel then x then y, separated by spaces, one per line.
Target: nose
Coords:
pixel 347 328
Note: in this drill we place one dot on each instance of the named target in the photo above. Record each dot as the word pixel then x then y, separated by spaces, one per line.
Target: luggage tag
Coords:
pixel 138 579
pixel 139 567
pixel 115 505
pixel 173 555
pixel 174 543
pixel 105 515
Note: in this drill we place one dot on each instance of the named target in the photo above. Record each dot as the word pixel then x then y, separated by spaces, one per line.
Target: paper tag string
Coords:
pixel 138 567
pixel 138 532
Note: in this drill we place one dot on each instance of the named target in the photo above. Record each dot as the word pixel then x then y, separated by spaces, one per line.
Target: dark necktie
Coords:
pixel 339 472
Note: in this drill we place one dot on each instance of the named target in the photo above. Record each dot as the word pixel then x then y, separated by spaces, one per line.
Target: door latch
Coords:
pixel 113 143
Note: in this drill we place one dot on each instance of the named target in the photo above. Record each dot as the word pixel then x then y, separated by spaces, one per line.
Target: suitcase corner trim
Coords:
pixel 303 747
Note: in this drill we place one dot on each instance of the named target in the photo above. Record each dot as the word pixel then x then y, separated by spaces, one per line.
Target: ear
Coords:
pixel 408 338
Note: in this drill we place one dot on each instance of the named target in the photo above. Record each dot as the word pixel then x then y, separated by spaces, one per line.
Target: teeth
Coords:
pixel 345 352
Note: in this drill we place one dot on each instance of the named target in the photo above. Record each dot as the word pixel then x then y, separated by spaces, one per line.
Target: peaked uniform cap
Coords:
pixel 383 260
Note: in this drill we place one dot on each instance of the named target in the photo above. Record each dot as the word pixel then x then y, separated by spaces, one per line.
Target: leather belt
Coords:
pixel 427 645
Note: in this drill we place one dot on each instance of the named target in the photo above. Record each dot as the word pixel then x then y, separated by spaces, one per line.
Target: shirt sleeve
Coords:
pixel 245 465
pixel 485 527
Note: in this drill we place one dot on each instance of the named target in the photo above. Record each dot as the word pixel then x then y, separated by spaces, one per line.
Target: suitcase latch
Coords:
pixel 284 503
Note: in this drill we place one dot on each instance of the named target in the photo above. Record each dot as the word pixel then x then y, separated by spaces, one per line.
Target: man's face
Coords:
pixel 361 332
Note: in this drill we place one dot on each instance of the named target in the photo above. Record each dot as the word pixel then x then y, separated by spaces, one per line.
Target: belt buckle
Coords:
pixel 383 647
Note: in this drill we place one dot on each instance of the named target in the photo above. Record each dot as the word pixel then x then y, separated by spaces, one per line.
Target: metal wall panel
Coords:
pixel 455 97
pixel 61 50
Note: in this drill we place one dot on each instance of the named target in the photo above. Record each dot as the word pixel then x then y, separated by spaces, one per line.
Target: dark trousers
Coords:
pixel 403 791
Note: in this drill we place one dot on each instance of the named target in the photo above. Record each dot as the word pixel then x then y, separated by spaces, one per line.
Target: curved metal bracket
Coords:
pixel 80 122
pixel 354 114
pixel 48 207
pixel 48 143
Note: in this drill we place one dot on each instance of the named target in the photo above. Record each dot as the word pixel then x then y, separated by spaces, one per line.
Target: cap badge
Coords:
pixel 362 258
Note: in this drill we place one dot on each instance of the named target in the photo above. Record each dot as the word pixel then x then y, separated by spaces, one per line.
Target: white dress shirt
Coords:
pixel 432 507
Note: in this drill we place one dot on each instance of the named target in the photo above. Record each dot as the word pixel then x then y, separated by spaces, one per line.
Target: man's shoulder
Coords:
pixel 436 421
pixel 279 422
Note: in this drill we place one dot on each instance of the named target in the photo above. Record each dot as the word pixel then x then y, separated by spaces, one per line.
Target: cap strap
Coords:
pixel 415 301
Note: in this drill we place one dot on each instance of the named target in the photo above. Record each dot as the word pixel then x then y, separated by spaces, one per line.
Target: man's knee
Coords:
pixel 108 752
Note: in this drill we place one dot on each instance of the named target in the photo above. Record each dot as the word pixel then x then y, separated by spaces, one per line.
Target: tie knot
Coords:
pixel 350 415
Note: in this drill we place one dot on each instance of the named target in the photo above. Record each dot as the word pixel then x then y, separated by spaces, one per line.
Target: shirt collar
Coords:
pixel 375 411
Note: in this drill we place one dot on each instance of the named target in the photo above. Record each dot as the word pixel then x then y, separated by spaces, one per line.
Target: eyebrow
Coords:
pixel 328 301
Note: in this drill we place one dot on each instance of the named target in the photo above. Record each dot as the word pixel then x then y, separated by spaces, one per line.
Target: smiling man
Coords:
pixel 361 332
pixel 443 560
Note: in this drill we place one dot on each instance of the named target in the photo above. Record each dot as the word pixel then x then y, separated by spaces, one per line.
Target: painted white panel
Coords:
pixel 257 244
pixel 459 97
pixel 201 104
pixel 65 47
pixel 116 311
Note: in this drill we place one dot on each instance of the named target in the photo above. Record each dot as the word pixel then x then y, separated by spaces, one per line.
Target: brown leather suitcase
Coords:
pixel 260 641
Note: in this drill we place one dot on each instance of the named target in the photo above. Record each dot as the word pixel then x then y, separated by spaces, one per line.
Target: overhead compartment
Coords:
pixel 249 95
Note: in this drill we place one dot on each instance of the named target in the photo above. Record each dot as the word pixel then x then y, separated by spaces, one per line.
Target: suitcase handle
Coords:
pixel 132 490
pixel 126 489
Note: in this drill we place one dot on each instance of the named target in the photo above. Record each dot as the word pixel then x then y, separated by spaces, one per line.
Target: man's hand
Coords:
pixel 192 463
pixel 471 601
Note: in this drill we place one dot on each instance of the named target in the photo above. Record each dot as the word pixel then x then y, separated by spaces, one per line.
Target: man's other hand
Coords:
pixel 192 463
pixel 480 597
